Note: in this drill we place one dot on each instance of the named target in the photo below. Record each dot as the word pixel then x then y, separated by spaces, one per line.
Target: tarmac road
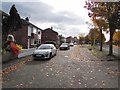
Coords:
pixel 74 68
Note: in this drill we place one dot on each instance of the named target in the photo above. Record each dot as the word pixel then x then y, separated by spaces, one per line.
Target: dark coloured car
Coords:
pixel 50 42
pixel 64 47
pixel 71 44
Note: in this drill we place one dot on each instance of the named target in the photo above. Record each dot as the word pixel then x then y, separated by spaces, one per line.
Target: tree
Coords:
pixel 11 23
pixel 87 39
pixel 93 35
pixel 99 38
pixel 103 26
pixel 14 20
pixel 116 38
pixel 108 11
pixel 81 38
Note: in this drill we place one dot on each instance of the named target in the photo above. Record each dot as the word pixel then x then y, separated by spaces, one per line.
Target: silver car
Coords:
pixel 45 51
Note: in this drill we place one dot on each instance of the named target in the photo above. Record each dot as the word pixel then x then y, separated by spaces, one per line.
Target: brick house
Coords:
pixel 28 36
pixel 69 39
pixel 49 35
pixel 75 40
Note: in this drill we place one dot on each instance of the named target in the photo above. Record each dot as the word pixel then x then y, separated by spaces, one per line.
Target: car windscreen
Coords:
pixel 44 47
pixel 64 46
pixel 64 43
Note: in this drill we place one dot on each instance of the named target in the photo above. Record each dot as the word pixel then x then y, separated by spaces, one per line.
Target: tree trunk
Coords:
pixel 100 39
pixel 111 42
pixel 94 41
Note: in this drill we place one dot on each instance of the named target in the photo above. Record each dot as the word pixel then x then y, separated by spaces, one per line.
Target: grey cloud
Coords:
pixel 60 26
pixel 41 12
pixel 74 31
pixel 33 9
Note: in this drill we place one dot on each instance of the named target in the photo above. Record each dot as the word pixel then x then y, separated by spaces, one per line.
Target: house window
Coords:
pixel 38 32
pixel 29 30
pixel 4 17
pixel 39 42
pixel 32 41
pixel 35 42
pixel 34 30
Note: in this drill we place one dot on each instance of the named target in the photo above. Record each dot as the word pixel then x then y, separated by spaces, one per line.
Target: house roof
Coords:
pixel 49 30
pixel 3 13
pixel 28 23
pixel 23 21
pixel 69 37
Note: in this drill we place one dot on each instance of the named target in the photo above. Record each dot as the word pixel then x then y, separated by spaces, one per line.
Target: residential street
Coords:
pixel 75 47
pixel 74 68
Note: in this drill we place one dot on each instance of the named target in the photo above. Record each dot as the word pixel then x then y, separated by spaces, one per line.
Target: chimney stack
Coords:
pixel 27 19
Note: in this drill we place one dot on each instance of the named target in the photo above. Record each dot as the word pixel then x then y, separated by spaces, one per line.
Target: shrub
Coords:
pixel 19 46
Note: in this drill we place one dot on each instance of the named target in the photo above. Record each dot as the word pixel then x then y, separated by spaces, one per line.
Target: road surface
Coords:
pixel 74 68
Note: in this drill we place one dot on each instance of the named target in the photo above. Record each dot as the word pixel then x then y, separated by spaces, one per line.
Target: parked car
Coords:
pixel 75 43
pixel 45 51
pixel 71 44
pixel 64 46
pixel 50 42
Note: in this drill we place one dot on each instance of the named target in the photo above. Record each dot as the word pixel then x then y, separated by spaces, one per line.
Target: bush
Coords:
pixel 19 46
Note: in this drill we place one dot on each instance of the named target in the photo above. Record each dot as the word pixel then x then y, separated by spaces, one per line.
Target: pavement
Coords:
pixel 115 49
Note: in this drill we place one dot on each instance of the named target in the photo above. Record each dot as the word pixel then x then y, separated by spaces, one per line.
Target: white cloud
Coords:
pixel 68 17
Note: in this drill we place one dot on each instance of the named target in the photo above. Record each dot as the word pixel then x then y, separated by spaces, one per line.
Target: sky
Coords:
pixel 67 17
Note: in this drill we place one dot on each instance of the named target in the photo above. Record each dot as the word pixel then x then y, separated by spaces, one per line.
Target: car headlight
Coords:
pixel 46 54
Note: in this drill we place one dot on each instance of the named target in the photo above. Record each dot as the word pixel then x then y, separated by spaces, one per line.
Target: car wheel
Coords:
pixel 55 54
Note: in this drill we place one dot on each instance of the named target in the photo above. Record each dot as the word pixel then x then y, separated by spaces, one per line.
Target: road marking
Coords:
pixel 66 56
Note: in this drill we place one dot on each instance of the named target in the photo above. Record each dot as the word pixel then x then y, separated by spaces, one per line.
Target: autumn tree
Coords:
pixel 103 26
pixel 81 38
pixel 87 39
pixel 116 38
pixel 108 11
pixel 99 38
pixel 93 35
